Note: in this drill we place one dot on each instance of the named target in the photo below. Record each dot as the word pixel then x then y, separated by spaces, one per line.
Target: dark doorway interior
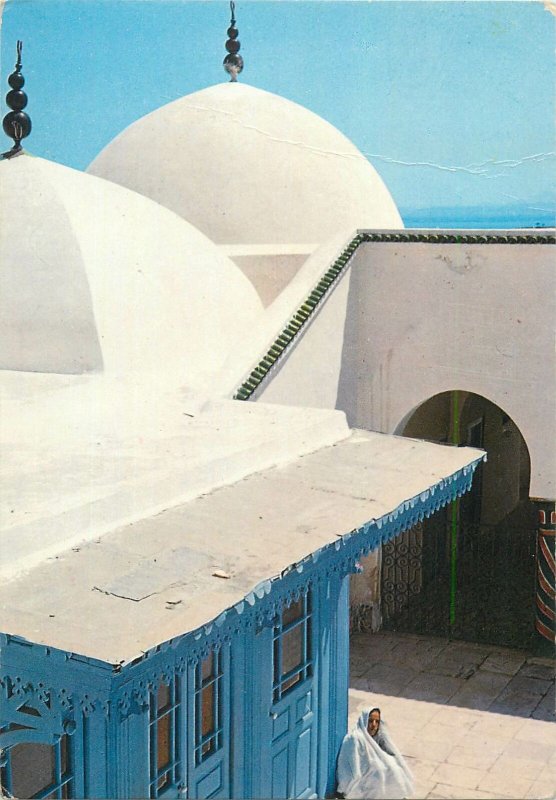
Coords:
pixel 468 572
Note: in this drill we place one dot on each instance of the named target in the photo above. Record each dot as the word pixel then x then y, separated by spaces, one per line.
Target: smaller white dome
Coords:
pixel 98 278
pixel 247 166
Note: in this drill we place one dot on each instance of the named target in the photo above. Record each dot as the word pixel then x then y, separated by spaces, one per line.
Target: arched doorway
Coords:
pixel 469 571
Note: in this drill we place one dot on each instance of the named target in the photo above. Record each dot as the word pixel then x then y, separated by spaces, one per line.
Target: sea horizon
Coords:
pixel 501 218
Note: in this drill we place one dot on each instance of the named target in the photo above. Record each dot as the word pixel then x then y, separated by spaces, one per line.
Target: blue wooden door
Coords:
pixel 292 697
pixel 209 708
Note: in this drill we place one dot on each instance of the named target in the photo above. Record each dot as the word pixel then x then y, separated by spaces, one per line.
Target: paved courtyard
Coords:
pixel 474 721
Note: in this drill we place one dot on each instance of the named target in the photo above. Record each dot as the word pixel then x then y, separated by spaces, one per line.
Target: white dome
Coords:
pixel 247 166
pixel 98 278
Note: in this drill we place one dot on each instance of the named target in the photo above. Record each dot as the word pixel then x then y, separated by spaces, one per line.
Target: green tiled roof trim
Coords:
pixel 307 308
pixel 460 238
pixel 297 321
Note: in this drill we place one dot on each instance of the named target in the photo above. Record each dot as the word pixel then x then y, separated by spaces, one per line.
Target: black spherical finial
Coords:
pixel 16 123
pixel 233 63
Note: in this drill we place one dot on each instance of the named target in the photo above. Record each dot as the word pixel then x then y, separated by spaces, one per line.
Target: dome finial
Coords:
pixel 16 124
pixel 233 63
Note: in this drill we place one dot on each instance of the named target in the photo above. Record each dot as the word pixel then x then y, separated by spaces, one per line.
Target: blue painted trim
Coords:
pixel 239 733
pixel 95 755
pixel 326 689
pixel 340 672
pixel 14 652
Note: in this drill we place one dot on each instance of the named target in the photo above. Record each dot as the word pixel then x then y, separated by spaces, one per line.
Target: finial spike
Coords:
pixel 16 123
pixel 233 63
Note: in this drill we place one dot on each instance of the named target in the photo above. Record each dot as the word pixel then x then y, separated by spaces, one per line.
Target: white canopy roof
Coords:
pixel 82 455
pixel 164 575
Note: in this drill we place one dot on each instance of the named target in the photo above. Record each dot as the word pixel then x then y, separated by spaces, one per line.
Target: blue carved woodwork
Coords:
pixel 253 704
pixel 286 691
pixel 209 758
pixel 165 727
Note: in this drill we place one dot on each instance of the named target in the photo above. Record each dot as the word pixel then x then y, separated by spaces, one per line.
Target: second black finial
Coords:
pixel 233 63
pixel 16 123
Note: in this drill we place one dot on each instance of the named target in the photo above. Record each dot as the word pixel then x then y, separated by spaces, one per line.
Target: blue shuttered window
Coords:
pixel 208 706
pixel 292 656
pixel 37 770
pixel 164 745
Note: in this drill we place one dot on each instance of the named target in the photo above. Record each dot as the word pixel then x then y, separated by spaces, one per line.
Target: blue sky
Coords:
pixel 451 101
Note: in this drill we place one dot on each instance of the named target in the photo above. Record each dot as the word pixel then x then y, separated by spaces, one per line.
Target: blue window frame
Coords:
pixel 292 656
pixel 208 706
pixel 164 753
pixel 38 770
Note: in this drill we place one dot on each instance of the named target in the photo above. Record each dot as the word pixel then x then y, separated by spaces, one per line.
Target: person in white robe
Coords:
pixel 370 765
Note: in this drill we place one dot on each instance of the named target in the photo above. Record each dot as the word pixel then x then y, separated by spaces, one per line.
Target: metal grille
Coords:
pixel 416 580
pixel 496 585
pixel 482 591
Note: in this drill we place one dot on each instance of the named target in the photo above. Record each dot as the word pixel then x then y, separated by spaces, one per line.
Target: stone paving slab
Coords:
pixel 438 732
pixel 522 683
pixel 470 754
pixel 537 751
pixel 548 774
pixel 461 793
pixel 497 726
pixel 457 775
pixel 466 751
pixel 467 718
pixel 389 679
pixel 533 670
pixel 523 767
pixel 508 664
pixel 435 688
pixel 540 790
pixel 511 784
pixel 530 730
pixel 480 690
pixel 546 709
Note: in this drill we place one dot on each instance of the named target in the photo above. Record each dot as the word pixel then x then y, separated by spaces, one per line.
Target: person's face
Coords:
pixel 374 722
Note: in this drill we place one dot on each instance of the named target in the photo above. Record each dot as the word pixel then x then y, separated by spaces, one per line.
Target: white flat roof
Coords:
pixel 84 455
pixel 151 580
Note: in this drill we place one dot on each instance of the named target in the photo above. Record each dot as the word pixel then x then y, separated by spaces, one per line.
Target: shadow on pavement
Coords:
pixel 453 673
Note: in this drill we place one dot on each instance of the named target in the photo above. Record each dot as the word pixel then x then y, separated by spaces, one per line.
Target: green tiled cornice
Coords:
pixel 430 237
pixel 297 321
pixel 305 311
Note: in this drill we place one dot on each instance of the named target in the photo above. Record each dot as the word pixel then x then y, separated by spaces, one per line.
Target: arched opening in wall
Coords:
pixel 468 571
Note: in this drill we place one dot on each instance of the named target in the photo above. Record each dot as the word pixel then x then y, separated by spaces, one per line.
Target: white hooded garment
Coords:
pixel 372 767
